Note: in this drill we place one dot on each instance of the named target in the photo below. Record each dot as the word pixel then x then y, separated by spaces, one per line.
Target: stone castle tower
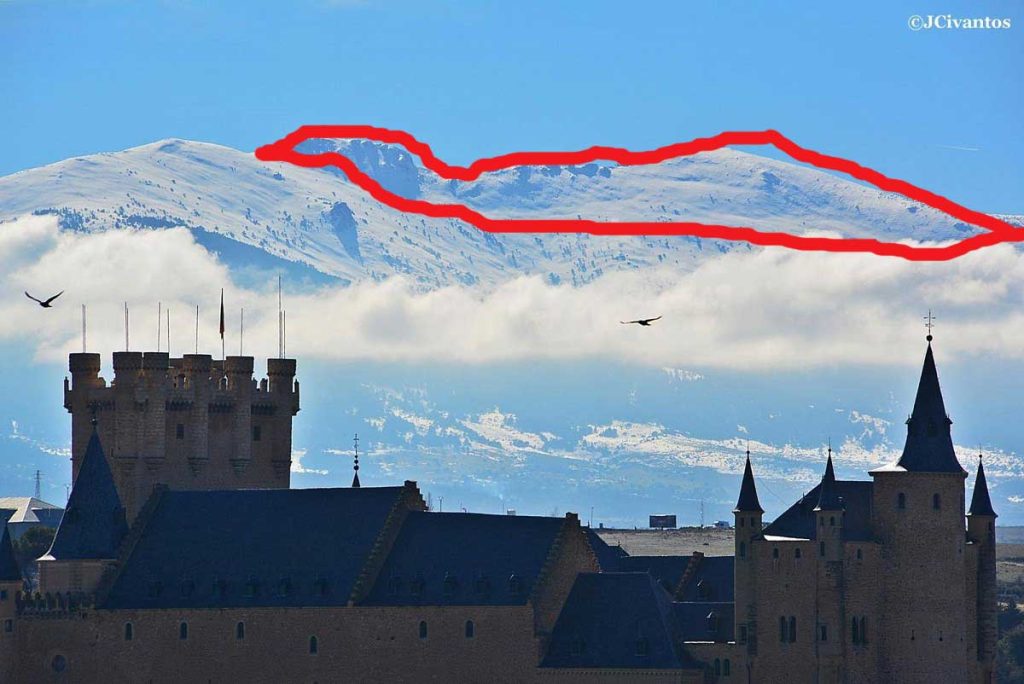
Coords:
pixel 188 423
pixel 884 580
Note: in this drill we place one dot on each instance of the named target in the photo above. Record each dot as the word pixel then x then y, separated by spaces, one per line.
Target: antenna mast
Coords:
pixel 39 480
pixel 168 332
pixel 126 326
pixel 159 320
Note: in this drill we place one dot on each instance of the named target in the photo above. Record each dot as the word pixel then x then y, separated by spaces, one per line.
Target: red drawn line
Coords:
pixel 284 150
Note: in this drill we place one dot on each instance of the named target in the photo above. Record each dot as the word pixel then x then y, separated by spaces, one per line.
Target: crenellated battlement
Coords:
pixel 190 422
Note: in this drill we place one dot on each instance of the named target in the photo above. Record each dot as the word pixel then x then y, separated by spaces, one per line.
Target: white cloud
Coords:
pixel 297 467
pixel 757 310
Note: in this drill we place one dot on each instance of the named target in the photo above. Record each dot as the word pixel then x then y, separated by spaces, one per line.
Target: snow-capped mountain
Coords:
pixel 314 221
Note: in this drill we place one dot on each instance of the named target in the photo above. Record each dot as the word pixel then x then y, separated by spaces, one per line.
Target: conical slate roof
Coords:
pixel 828 496
pixel 94 521
pixel 748 502
pixel 9 570
pixel 929 446
pixel 981 504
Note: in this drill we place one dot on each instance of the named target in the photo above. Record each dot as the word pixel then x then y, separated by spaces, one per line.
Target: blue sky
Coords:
pixel 481 78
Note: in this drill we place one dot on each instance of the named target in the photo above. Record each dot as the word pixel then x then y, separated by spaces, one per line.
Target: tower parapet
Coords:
pixel 188 422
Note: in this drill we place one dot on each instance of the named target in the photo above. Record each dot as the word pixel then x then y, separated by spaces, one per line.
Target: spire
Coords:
pixel 748 502
pixel 929 446
pixel 9 569
pixel 355 464
pixel 93 523
pixel 828 500
pixel 981 504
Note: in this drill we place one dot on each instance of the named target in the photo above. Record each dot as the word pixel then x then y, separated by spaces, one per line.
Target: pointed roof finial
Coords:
pixel 355 463
pixel 981 504
pixel 748 501
pixel 828 499
pixel 929 445
pixel 929 322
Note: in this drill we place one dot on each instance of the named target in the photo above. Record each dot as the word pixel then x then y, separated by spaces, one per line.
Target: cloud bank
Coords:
pixel 758 310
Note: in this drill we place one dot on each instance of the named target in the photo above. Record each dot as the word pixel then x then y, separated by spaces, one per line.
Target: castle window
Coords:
pixel 743 550
pixel 417 585
pixel 220 587
pixel 183 631
pixel 855 630
pixel 821 522
pixel 515 585
pixel 775 552
pixel 718 667
pixel 3 594
pixel 321 586
pixel 901 501
pixel 129 631
pixel 936 502
pixel 743 634
pixel 821 549
pixel 470 629
pixel 703 589
pixel 240 631
pixel 450 585
pixel 642 647
pixel 822 632
pixel 860 554
pixel 9 625
pixel 743 522
pixel 792 629
pixel 832 521
pixel 712 622
pixel 252 587
pixel 394 584
pixel 179 431
pixel 796 553
pixel 314 645
pixel 284 587
pixel 482 585
pixel 256 433
pixel 423 629
pixel 726 668
pixel 59 663
pixel 155 589
pixel 187 587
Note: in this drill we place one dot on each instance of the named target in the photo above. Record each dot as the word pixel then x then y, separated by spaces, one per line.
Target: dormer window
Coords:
pixel 321 586
pixel 901 501
pixel 703 589
pixel 515 585
pixel 936 502
pixel 712 622
pixel 188 587
pixel 252 587
pixel 642 647
pixel 450 585
pixel 482 585
pixel 284 587
pixel 220 587
pixel 417 585
pixel 394 584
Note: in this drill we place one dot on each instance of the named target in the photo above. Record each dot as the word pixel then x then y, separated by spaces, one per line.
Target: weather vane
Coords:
pixel 355 457
pixel 929 323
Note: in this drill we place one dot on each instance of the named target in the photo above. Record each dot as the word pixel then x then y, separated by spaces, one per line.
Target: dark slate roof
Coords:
pixel 666 570
pixel 93 523
pixel 981 504
pixel 711 581
pixel 604 617
pixel 9 570
pixel 695 625
pixel 255 547
pixel 607 556
pixel 464 559
pixel 799 519
pixel 828 497
pixel 929 446
pixel 748 502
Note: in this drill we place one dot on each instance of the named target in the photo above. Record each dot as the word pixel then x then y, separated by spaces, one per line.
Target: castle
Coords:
pixel 183 556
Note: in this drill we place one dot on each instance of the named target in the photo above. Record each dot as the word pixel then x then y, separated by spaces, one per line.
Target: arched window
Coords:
pixel 901 501
pixel 183 631
pixel 796 553
pixel 129 631
pixel 743 550
pixel 792 629
pixel 743 521
pixel 314 645
pixel 718 667
pixel 775 552
pixel 832 521
pixel 240 631
pixel 423 629
pixel 821 549
pixel 726 668
pixel 470 629
pixel 642 647
pixel 936 502
pixel 855 630
pixel 860 554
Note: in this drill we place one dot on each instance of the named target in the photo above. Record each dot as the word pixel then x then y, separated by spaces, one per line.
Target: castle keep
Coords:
pixel 183 556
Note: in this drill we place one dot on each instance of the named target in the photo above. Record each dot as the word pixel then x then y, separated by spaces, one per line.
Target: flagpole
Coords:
pixel 159 322
pixel 223 354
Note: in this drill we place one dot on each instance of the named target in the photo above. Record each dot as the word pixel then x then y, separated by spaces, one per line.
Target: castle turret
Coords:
pixel 918 518
pixel 829 516
pixel 91 530
pixel 981 530
pixel 748 516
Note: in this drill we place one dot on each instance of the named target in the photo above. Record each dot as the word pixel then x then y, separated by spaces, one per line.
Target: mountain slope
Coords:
pixel 313 217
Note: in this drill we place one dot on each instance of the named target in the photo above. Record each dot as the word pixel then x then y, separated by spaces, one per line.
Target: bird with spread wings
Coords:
pixel 641 321
pixel 45 304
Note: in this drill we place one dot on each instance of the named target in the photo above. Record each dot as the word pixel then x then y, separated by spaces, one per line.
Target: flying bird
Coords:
pixel 47 304
pixel 641 321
